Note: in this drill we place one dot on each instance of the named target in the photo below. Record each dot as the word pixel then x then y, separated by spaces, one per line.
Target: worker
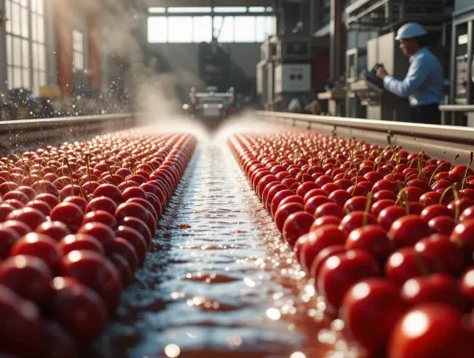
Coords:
pixel 423 84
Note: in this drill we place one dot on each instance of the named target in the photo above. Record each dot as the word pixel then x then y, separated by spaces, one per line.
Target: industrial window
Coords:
pixel 227 29
pixel 78 49
pixel 26 50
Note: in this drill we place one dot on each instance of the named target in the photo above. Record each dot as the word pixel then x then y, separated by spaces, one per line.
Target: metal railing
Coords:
pixel 19 134
pixel 438 141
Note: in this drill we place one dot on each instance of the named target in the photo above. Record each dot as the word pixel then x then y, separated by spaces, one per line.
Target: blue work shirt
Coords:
pixel 423 83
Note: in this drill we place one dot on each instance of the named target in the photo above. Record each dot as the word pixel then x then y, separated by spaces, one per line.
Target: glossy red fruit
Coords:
pixel 69 214
pixel 407 263
pixel 31 217
pixel 148 206
pixel 339 197
pixel 292 199
pixel 284 211
pixel 39 205
pixel 278 198
pixel 370 310
pixel 329 209
pixel 315 202
pixel 389 215
pixel 463 236
pixel 38 245
pixel 58 342
pixel 131 209
pixel 373 239
pixel 434 211
pixel 442 225
pixel 54 229
pixel 356 220
pixel 408 230
pixel 356 203
pixel 16 195
pixel 321 258
pixel 80 242
pixel 19 227
pixel 101 232
pixel 8 237
pixel 123 268
pixel 49 199
pixel 96 272
pixel 318 240
pixel 466 285
pixel 448 255
pixel 27 276
pixel 139 226
pixel 136 239
pixel 110 191
pixel 101 203
pixel 340 272
pixel 77 308
pixel 100 216
pixel 124 248
pixel 435 288
pixel 431 330
pixel 5 209
pixel 297 225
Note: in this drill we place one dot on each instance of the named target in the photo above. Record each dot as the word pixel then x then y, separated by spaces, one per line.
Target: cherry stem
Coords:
pixel 368 203
pixel 453 162
pixel 434 173
pixel 467 170
pixel 405 203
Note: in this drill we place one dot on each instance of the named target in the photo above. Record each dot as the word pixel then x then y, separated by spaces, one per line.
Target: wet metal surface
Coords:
pixel 218 281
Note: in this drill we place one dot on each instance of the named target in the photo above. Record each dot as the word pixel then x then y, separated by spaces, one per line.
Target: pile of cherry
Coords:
pixel 387 236
pixel 76 221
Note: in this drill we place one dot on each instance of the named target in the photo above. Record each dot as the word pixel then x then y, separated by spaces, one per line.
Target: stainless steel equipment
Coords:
pixel 382 104
pixel 462 91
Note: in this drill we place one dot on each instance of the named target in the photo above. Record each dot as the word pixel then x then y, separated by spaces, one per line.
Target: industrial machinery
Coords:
pixel 462 91
pixel 211 105
pixel 381 104
pixel 356 62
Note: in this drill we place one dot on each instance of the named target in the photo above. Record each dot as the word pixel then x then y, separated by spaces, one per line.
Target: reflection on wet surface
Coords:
pixel 218 281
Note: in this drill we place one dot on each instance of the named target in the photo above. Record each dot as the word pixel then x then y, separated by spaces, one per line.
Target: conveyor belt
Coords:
pixel 219 281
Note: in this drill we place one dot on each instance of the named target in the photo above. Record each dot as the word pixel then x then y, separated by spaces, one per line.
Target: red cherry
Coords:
pixel 370 310
pixel 54 229
pixel 297 225
pixel 37 245
pixel 435 210
pixel 329 209
pixel 96 272
pixel 407 263
pixel 80 242
pixel 123 268
pixel 466 214
pixel 430 198
pixel 436 288
pixel 31 217
pixel 463 237
pixel 45 187
pixel 136 239
pixel 58 342
pixel 110 191
pixel 373 239
pixel 100 216
pixel 356 203
pixel 15 203
pixel 19 227
pixel 340 272
pixel 314 192
pixel 318 240
pixel 139 226
pixel 21 323
pixel 103 233
pixel 27 276
pixel 39 205
pixel 305 188
pixel 131 209
pixel 448 255
pixel 442 225
pixel 124 248
pixel 275 203
pixel 431 330
pixel 467 285
pixel 16 195
pixel 284 211
pixel 77 308
pixel 389 215
pixel 5 209
pixel 77 200
pixel 408 230
pixel 322 256
pixel 355 220
pixel 69 214
pixel 378 206
pixel 385 195
pixel 101 203
pixel 49 199
pixel 315 202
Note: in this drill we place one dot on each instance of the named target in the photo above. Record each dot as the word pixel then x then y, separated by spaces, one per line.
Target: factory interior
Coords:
pixel 236 178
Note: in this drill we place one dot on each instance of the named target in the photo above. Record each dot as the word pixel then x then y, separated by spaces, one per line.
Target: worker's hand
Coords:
pixel 381 72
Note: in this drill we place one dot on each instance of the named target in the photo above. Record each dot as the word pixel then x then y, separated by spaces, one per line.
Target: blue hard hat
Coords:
pixel 410 30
